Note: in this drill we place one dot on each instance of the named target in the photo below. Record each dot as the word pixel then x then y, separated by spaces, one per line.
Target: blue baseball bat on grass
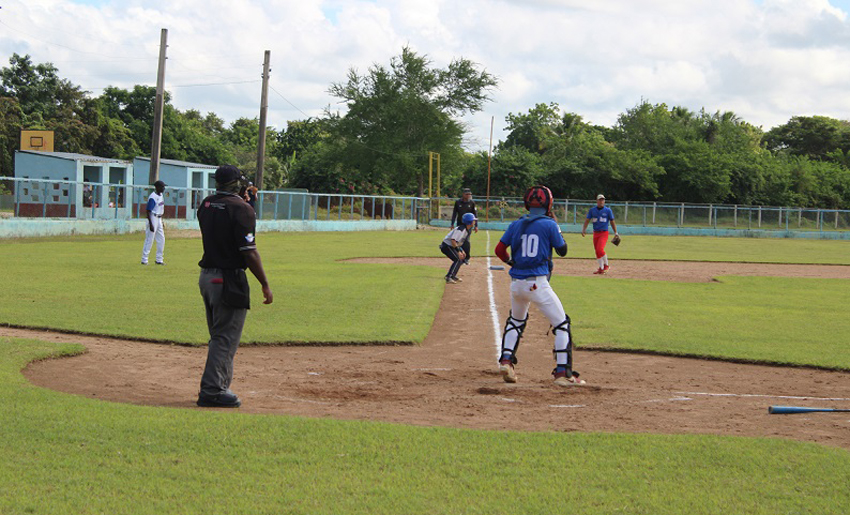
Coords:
pixel 789 410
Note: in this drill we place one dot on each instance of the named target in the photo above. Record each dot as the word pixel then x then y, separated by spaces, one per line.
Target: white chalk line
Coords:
pixel 494 311
pixel 764 396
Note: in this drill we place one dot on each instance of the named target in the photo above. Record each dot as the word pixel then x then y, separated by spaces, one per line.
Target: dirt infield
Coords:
pixel 451 379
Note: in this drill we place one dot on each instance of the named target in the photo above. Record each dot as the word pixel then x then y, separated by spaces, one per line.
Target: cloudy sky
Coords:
pixel 766 60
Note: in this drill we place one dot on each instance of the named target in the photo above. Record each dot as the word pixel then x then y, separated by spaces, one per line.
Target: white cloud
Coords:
pixel 767 60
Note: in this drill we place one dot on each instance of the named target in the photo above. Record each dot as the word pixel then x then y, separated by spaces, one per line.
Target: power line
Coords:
pixel 288 102
pixel 213 84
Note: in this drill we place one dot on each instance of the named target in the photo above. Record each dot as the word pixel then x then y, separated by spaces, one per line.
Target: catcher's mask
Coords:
pixel 539 196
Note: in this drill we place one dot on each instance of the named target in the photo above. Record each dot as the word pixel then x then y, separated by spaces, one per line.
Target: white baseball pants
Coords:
pixel 157 234
pixel 538 291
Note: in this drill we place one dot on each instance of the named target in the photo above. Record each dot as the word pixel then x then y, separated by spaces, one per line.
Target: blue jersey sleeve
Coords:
pixel 610 213
pixel 509 234
pixel 555 237
pixel 590 213
pixel 151 204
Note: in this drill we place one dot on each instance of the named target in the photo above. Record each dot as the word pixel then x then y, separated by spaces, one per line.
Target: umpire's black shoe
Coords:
pixel 222 400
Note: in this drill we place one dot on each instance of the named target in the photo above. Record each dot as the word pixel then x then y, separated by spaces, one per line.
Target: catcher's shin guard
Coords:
pixel 512 324
pixel 564 327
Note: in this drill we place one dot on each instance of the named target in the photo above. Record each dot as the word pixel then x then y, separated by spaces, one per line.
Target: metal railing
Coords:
pixel 45 198
pixel 665 214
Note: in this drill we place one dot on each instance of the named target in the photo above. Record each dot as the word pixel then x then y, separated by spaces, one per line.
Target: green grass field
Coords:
pixel 64 454
pixel 768 319
pixel 96 285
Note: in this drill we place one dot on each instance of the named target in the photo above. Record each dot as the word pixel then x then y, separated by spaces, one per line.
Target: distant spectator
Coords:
pixel 251 194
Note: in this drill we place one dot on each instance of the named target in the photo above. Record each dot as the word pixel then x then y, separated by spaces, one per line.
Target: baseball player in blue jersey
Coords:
pixel 531 240
pixel 452 246
pixel 600 216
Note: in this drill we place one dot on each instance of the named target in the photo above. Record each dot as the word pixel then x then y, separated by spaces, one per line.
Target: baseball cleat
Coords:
pixel 451 280
pixel 506 368
pixel 222 400
pixel 457 279
pixel 563 378
pixel 605 270
pixel 599 272
pixel 160 263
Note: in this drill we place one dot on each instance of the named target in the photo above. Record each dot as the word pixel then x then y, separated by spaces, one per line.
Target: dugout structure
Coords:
pixel 79 186
pixel 187 185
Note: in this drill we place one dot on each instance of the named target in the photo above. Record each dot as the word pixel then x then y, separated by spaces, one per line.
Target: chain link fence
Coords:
pixel 658 214
pixel 43 198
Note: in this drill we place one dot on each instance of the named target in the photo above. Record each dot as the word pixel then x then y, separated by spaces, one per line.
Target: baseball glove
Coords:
pixel 616 240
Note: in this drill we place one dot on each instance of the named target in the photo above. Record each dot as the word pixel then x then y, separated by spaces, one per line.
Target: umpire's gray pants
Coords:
pixel 225 325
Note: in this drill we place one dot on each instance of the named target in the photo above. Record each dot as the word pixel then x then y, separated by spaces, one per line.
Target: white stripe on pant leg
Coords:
pixel 149 236
pixel 494 312
pixel 549 304
pixel 160 240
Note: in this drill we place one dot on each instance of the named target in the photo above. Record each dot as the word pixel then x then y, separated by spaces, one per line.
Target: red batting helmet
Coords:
pixel 539 196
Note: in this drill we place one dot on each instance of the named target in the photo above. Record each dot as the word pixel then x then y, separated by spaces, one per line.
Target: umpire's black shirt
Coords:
pixel 461 208
pixel 227 226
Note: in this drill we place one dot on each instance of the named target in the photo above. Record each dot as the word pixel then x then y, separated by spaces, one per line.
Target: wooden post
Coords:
pixel 489 151
pixel 264 107
pixel 159 104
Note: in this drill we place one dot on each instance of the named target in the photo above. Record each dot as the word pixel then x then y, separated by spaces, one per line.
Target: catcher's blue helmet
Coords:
pixel 468 218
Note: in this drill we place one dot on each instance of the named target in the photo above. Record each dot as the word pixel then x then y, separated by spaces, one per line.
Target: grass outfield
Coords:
pixel 771 319
pixel 62 283
pixel 65 454
pixel 97 285
pixel 699 248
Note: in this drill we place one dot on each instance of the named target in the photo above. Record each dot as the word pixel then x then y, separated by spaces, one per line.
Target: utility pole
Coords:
pixel 264 107
pixel 156 141
pixel 489 151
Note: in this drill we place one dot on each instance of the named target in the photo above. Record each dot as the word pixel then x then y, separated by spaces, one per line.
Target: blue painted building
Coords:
pixel 177 174
pixel 104 193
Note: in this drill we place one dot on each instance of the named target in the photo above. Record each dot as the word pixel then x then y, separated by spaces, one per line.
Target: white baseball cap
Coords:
pixel 600 197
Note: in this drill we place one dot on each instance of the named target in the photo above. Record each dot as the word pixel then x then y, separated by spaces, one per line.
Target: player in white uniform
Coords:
pixel 154 229
pixel 531 239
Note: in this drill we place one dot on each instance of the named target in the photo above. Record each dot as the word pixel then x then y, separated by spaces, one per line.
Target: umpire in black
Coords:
pixel 464 205
pixel 227 227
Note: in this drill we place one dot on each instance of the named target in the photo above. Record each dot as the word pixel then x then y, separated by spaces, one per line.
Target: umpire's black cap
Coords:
pixel 160 183
pixel 226 174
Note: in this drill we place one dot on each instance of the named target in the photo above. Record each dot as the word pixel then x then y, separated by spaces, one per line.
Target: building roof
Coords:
pixel 175 162
pixel 70 156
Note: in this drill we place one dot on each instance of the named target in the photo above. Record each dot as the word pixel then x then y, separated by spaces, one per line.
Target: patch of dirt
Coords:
pixel 677 271
pixel 452 379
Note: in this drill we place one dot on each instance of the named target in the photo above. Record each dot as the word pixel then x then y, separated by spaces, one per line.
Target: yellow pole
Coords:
pixel 430 171
pixel 438 174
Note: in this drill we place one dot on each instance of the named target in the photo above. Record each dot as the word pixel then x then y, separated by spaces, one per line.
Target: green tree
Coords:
pixel 397 114
pixel 816 137
pixel 10 129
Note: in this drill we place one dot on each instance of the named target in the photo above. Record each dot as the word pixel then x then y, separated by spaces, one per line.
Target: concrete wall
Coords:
pixel 683 231
pixel 40 166
pixel 35 228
